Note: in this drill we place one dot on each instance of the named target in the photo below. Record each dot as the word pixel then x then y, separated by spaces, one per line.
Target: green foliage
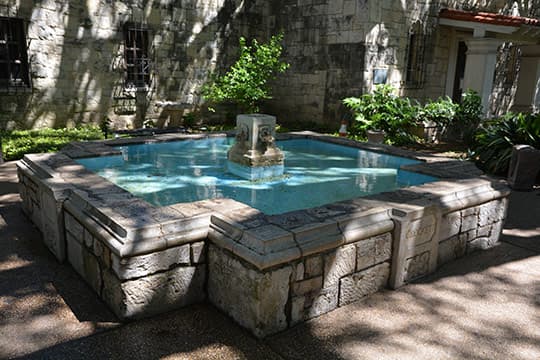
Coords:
pixel 383 110
pixel 19 142
pixel 494 140
pixel 246 82
pixel 440 112
pixel 468 115
pixel 189 119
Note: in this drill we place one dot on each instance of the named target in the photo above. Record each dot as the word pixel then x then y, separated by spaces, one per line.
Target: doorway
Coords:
pixel 461 59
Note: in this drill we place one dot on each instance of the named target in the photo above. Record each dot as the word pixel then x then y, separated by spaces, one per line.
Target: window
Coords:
pixel 13 57
pixel 414 76
pixel 510 57
pixel 136 56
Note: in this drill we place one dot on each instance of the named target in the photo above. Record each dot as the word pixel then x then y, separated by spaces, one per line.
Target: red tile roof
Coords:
pixel 487 18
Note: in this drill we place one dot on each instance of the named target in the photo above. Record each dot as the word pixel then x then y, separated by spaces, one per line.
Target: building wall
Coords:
pixel 77 67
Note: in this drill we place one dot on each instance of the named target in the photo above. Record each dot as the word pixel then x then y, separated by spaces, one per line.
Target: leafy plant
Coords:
pixel 468 115
pixel 440 112
pixel 494 141
pixel 189 119
pixel 246 82
pixel 17 143
pixel 383 110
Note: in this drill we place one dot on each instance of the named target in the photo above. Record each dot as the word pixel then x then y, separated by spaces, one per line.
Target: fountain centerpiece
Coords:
pixel 255 156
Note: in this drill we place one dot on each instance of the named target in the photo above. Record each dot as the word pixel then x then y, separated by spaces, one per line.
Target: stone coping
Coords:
pixel 130 226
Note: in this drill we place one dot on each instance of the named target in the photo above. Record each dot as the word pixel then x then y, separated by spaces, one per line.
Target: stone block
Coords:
pixel 492 212
pixel 313 266
pixel 198 252
pixel 373 251
pixel 299 272
pixel 451 249
pixel 155 293
pixel 417 266
pixel 469 222
pixel 495 232
pixel 144 265
pixel 74 227
pixel 450 225
pixel 307 286
pixel 359 285
pixel 255 299
pixel 88 238
pixel 84 263
pixel 297 309
pixel 338 264
pixel 481 243
pixel 326 300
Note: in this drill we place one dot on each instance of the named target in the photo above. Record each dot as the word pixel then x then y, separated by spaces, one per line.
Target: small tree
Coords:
pixel 246 82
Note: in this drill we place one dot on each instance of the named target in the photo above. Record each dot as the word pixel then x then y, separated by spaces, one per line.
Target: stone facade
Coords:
pixel 76 53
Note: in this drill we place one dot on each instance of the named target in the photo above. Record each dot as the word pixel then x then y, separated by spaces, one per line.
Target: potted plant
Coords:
pixel 437 117
pixel 382 114
pixel 246 81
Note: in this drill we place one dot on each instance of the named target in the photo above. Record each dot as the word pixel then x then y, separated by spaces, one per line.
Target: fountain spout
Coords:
pixel 255 156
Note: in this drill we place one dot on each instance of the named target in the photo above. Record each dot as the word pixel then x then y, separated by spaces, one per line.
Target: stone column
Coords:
pixel 527 96
pixel 480 67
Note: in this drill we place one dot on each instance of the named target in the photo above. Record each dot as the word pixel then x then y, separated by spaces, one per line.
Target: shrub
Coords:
pixel 383 110
pixel 495 139
pixel 246 82
pixel 440 112
pixel 17 143
pixel 468 115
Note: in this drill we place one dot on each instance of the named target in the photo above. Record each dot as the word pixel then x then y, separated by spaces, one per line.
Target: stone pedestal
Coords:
pixel 255 155
pixel 524 167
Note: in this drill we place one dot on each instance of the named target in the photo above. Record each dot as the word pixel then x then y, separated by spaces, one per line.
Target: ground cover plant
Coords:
pixel 16 143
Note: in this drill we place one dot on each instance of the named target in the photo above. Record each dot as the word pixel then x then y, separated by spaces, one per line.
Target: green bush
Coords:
pixel 468 115
pixel 494 140
pixel 440 112
pixel 383 110
pixel 246 82
pixel 16 143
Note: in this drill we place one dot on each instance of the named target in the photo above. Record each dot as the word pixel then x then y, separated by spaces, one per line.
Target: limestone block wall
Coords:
pixel 77 65
pixel 470 229
pixel 141 285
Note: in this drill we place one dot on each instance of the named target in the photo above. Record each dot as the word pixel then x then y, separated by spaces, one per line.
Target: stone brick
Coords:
pixel 84 263
pixel 307 286
pixel 450 225
pixel 143 265
pixel 338 264
pixel 198 252
pixel 299 272
pixel 358 285
pixel 313 266
pixel 155 293
pixel 451 249
pixel 373 251
pixel 297 309
pixel 324 301
pixel 255 299
pixel 74 227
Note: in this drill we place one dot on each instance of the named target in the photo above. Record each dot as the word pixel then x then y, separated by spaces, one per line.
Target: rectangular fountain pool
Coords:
pixel 147 242
pixel 316 173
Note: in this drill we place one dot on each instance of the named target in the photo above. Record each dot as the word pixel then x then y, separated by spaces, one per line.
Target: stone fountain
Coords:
pixel 255 156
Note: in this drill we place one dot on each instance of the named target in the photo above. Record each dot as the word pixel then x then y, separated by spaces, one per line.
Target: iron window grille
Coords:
pixel 416 48
pixel 136 56
pixel 511 56
pixel 14 68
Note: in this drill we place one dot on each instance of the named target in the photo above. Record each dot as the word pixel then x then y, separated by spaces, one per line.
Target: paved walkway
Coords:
pixel 483 306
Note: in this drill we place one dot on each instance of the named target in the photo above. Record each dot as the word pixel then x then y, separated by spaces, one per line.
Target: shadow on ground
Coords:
pixel 483 306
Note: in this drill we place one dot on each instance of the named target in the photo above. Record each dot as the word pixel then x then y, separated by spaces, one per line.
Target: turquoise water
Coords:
pixel 316 173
